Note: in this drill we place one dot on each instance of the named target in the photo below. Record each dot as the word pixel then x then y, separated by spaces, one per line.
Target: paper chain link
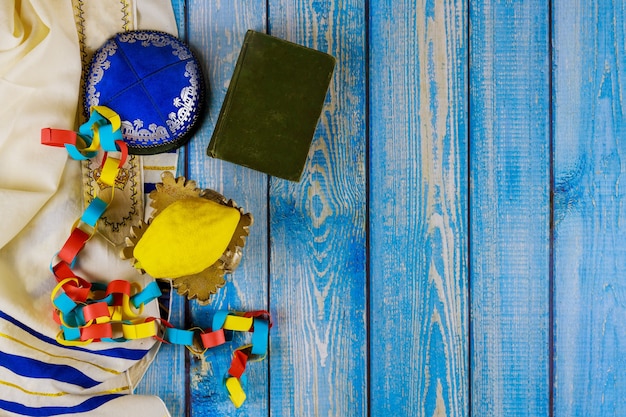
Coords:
pixel 94 312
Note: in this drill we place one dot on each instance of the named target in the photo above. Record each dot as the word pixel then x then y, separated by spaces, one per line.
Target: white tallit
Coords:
pixel 40 198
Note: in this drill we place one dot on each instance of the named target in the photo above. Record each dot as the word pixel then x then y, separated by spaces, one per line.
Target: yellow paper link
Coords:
pixel 237 323
pixel 127 307
pixel 110 115
pixel 95 143
pixel 237 395
pixel 109 171
pixel 58 287
pixel 139 330
pixel 116 313
pixel 61 340
pixel 82 226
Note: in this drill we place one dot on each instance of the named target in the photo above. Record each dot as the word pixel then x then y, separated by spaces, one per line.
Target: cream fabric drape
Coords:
pixel 40 198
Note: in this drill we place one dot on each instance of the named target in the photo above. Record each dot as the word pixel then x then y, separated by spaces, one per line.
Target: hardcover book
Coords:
pixel 272 106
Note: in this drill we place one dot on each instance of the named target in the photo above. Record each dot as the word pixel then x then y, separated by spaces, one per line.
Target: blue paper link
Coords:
pixel 94 118
pixel 179 337
pixel 259 337
pixel 75 153
pixel 64 303
pixel 70 333
pixel 108 138
pixel 94 211
pixel 219 319
pixel 151 292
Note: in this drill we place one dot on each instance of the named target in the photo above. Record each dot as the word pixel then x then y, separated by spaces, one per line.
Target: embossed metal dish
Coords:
pixel 202 285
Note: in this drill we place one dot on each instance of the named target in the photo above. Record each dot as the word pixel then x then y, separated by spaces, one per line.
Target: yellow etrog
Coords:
pixel 186 238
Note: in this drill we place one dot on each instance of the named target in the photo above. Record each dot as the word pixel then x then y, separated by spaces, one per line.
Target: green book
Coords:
pixel 272 106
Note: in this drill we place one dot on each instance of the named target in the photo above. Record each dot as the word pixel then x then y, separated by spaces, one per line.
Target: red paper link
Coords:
pixel 123 148
pixel 118 286
pixel 238 364
pixel 62 271
pixel 57 137
pixel 95 311
pixel 262 314
pixel 73 245
pixel 96 332
pixel 79 292
pixel 212 339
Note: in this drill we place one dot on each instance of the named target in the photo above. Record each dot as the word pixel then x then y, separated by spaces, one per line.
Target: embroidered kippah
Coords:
pixel 154 82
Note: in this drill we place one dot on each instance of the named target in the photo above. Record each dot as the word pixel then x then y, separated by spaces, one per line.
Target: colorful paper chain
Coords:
pixel 93 312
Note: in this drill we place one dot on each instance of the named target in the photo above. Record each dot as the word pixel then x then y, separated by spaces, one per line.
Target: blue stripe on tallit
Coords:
pixel 130 354
pixel 148 187
pixel 32 368
pixel 84 407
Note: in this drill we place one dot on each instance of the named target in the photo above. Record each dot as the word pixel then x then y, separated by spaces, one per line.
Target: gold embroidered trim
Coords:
pixel 125 15
pixel 58 394
pixel 158 168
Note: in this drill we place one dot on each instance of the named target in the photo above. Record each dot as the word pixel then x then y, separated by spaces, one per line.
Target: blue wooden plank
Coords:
pixel 318 233
pixel 510 208
pixel 590 232
pixel 216 31
pixel 418 208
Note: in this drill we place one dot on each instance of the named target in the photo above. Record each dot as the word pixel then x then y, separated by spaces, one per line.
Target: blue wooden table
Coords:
pixel 457 244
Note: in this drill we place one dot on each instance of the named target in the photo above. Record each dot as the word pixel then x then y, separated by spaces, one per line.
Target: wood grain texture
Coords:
pixel 510 208
pixel 590 214
pixel 418 208
pixel 216 30
pixel 318 361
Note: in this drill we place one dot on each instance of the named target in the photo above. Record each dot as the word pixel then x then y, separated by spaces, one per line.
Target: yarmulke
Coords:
pixel 154 82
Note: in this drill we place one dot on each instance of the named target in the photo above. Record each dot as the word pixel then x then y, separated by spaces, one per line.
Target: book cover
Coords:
pixel 272 106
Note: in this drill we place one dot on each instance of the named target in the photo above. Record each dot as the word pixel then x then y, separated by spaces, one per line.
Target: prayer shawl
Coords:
pixel 44 44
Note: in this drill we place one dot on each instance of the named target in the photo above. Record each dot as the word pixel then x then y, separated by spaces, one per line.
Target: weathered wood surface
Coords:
pixel 589 210
pixel 418 208
pixel 510 208
pixel 455 247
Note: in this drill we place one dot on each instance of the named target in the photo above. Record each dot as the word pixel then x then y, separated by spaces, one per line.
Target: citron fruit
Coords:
pixel 186 238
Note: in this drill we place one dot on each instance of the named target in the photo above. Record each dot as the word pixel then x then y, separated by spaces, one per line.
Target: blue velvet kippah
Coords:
pixel 154 82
